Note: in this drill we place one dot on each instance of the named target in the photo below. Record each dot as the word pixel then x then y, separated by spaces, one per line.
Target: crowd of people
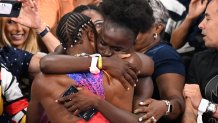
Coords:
pixel 102 61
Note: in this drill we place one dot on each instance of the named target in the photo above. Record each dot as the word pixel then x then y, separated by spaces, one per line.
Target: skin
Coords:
pixel 179 35
pixel 117 98
pixel 192 92
pixel 16 33
pixel 170 85
pixel 86 2
pixel 96 17
pixel 30 17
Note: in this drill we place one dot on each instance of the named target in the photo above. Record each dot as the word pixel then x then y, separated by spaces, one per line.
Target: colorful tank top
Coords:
pixel 92 82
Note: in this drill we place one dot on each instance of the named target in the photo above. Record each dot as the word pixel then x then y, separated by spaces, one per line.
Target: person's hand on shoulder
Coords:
pixel 120 69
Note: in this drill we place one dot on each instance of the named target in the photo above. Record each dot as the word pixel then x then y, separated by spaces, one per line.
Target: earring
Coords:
pixel 155 36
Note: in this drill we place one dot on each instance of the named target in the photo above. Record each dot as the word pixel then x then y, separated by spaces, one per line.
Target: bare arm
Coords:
pixel 30 17
pixel 179 35
pixel 190 114
pixel 143 90
pixel 111 112
pixel 145 65
pixel 34 64
pixel 35 110
pixel 170 86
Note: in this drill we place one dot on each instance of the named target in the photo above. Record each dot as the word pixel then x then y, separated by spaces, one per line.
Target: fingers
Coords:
pixel 190 90
pixel 129 79
pixel 133 67
pixel 123 56
pixel 146 102
pixel 132 75
pixel 141 110
pixel 123 82
pixel 65 98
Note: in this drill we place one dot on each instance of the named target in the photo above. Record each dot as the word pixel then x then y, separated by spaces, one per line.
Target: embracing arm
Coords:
pixel 35 111
pixel 145 65
pixel 34 64
pixel 143 90
pixel 170 86
pixel 124 71
pixel 111 112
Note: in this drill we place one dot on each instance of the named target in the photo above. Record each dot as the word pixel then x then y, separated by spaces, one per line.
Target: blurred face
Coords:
pixel 145 39
pixel 96 17
pixel 115 40
pixel 210 24
pixel 16 33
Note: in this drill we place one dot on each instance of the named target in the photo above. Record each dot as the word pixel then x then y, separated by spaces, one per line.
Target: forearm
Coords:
pixel 114 114
pixel 61 64
pixel 50 41
pixel 177 107
pixel 189 115
pixel 179 35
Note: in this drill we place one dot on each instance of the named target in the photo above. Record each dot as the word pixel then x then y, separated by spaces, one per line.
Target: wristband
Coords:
pixel 201 109
pixel 211 108
pixel 169 107
pixel 44 32
pixel 100 62
pixel 93 68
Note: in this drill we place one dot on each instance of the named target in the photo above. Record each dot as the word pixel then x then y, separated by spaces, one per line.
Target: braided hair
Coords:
pixel 70 27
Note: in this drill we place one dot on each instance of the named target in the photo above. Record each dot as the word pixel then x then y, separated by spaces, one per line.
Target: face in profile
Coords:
pixel 96 17
pixel 209 25
pixel 15 33
pixel 113 40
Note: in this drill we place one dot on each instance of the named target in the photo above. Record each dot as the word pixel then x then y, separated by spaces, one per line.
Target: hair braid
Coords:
pixel 70 27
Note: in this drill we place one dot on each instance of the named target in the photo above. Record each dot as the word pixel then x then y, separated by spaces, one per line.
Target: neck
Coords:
pixel 149 45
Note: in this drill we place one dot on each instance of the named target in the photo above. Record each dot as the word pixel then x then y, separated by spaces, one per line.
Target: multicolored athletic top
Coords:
pixel 92 82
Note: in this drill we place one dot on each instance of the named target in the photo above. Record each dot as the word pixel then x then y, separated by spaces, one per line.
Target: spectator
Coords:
pixel 200 92
pixel 169 71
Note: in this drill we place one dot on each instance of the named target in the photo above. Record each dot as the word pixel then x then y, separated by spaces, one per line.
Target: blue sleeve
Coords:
pixel 16 60
pixel 167 60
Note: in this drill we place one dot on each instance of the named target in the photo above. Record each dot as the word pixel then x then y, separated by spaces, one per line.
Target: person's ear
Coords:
pixel 91 36
pixel 159 28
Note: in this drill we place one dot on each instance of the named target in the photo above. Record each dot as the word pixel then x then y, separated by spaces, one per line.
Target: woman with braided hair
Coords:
pixel 77 34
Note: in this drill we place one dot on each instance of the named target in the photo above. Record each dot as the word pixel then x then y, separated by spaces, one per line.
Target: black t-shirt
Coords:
pixel 203 71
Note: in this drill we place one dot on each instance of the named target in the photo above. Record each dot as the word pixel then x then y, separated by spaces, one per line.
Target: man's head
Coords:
pixel 209 25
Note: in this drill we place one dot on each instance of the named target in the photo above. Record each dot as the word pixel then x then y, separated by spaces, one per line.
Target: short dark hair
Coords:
pixel 70 27
pixel 137 15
